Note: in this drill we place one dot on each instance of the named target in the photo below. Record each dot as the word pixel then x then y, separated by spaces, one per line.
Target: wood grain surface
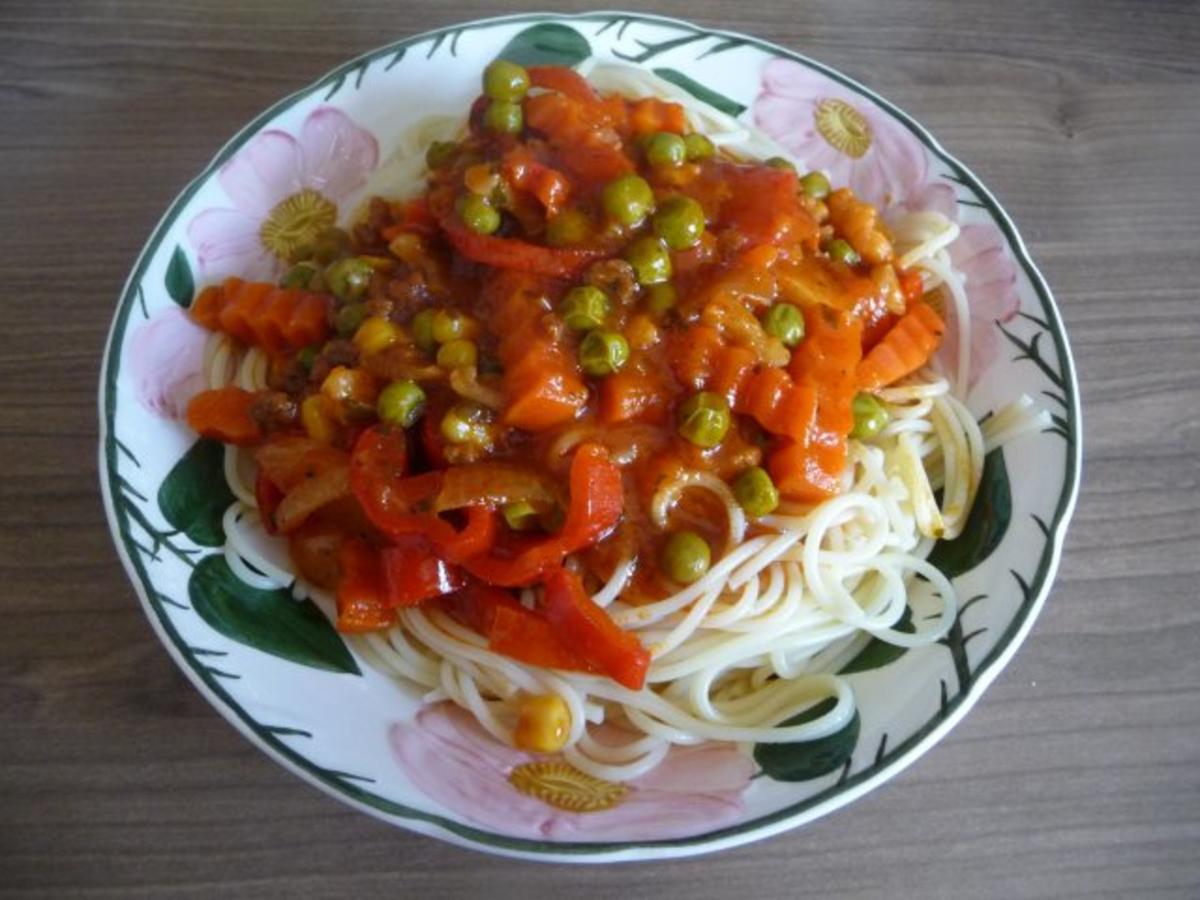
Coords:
pixel 1078 775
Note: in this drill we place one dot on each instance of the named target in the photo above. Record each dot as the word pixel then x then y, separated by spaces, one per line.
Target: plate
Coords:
pixel 271 663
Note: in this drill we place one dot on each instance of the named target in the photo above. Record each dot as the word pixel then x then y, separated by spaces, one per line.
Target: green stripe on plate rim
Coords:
pixel 880 769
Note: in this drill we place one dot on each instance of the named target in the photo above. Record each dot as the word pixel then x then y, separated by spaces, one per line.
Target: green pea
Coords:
pixel 569 228
pixel 665 150
pixel 457 354
pixel 503 80
pixel 815 185
pixel 840 251
pixel 679 222
pixel 307 357
pixel 778 162
pixel 870 416
pixel 584 307
pixel 421 326
pixel 477 214
pixel 348 278
pixel 686 557
pixel 503 117
pixel 401 403
pixel 448 325
pixel 305 275
pixel 627 200
pixel 698 147
pixel 650 260
pixel 661 298
pixel 440 153
pixel 755 492
pixel 786 322
pixel 519 515
pixel 465 423
pixel 349 317
pixel 602 353
pixel 704 419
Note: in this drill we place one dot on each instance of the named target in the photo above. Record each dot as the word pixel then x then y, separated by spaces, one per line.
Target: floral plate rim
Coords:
pixel 462 834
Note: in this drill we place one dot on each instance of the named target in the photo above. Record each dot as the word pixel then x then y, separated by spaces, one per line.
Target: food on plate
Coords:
pixel 615 416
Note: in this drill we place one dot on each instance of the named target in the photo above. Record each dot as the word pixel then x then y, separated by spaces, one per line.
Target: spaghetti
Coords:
pixel 790 597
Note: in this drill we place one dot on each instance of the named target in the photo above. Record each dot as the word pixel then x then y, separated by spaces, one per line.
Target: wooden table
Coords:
pixel 1077 775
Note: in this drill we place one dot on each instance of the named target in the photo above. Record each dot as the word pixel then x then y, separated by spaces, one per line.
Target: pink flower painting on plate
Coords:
pixel 284 190
pixel 165 360
pixel 991 285
pixel 447 755
pixel 831 128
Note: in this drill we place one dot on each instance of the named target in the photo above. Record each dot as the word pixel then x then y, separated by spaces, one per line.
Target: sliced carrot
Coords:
pixel 732 369
pixel 224 414
pixel 764 393
pixel 234 317
pixel 541 382
pixel 809 467
pixel 778 404
pixel 903 350
pixel 260 314
pixel 309 322
pixel 693 353
pixel 809 473
pixel 631 396
pixel 547 401
pixel 207 306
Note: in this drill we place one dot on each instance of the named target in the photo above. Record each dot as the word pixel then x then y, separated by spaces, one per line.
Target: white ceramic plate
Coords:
pixel 275 669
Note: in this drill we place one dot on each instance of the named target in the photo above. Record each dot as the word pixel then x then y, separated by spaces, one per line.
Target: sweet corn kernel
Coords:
pixel 543 723
pixel 481 179
pixel 343 385
pixel 316 418
pixel 375 335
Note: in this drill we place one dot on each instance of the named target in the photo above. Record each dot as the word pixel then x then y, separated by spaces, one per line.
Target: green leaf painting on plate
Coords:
pixel 270 621
pixel 986 523
pixel 548 44
pixel 701 93
pixel 804 760
pixel 194 496
pixel 877 654
pixel 181 286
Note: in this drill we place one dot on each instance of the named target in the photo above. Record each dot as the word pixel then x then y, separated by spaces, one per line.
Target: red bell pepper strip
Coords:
pixel 476 537
pixel 360 599
pixel 508 253
pixel 400 506
pixel 523 635
pixel 587 629
pixel 413 572
pixel 511 629
pixel 597 499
